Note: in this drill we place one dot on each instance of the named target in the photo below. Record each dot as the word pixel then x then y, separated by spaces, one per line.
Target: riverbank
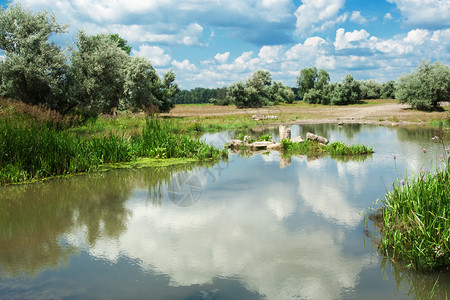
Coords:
pixel 37 149
pixel 376 112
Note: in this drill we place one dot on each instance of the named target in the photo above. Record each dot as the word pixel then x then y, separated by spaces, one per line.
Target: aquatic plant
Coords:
pixel 337 149
pixel 265 137
pixel 33 150
pixel 415 218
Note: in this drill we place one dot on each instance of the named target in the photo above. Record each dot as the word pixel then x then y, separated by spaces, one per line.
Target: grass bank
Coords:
pixel 415 221
pixel 34 149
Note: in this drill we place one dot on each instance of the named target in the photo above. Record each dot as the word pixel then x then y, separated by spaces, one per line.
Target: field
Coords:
pixel 381 112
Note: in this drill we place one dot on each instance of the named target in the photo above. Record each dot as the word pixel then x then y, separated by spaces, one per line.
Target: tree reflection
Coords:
pixel 35 218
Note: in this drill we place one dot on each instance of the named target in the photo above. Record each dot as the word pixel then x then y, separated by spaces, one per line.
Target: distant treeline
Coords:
pixel 199 95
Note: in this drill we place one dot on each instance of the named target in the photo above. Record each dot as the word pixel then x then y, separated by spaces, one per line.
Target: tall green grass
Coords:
pixel 335 150
pixel 34 150
pixel 416 221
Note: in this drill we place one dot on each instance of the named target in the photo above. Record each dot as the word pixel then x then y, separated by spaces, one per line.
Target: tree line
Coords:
pixel 95 75
pixel 423 89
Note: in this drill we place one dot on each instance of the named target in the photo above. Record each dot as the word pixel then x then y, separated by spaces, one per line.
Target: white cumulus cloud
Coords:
pixel 184 65
pixel 222 57
pixel 155 54
pixel 350 39
pixel 317 15
pixel 357 17
pixel 425 13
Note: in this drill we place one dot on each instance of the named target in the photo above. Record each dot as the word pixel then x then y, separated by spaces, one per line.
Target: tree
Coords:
pixel 310 78
pixel 370 89
pixel 96 77
pixel 121 43
pixel 238 94
pixel 346 93
pixel 258 91
pixel 426 87
pixel 34 68
pixel 388 90
pixel 306 80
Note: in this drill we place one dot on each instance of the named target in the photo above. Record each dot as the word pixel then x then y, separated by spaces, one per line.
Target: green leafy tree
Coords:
pixel 34 68
pixel 388 90
pixel 306 80
pixel 259 91
pixel 370 89
pixel 346 93
pixel 96 77
pixel 323 78
pixel 121 43
pixel 238 94
pixel 426 87
pixel 309 79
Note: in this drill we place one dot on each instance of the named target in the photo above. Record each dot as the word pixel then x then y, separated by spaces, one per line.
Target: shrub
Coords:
pixel 426 87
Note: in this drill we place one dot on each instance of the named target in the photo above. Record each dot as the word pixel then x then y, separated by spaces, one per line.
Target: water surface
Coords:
pixel 258 227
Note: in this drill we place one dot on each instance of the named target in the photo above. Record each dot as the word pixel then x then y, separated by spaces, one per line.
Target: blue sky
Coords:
pixel 213 43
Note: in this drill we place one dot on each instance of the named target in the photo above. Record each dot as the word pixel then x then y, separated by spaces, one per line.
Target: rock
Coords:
pixel 285 133
pixel 317 138
pixel 257 117
pixel 247 138
pixel 234 144
pixel 262 117
pixel 297 139
pixel 260 145
pixel 276 146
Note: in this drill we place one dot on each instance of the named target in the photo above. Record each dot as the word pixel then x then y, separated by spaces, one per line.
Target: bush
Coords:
pixel 426 87
pixel 370 89
pixel 346 93
pixel 388 90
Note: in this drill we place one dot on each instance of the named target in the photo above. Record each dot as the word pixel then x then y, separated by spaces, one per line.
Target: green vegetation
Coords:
pixel 425 88
pixel 32 149
pixel 265 137
pixel 100 76
pixel 259 91
pixel 416 221
pixel 201 95
pixel 314 149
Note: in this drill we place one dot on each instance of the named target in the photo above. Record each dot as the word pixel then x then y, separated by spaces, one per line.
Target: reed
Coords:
pixel 32 150
pixel 335 150
pixel 416 220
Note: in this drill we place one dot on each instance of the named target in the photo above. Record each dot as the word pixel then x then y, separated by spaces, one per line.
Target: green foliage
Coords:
pixel 416 221
pixel 339 148
pixel 314 96
pixel 388 90
pixel 310 78
pixel 259 91
pixel 121 43
pixel 222 102
pixel 33 150
pixel 346 93
pixel 335 150
pixel 34 68
pixel 202 95
pixel 96 77
pixel 101 76
pixel 370 89
pixel 265 138
pixel 426 87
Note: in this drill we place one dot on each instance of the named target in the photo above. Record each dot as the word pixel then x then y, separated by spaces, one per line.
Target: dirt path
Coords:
pixel 372 112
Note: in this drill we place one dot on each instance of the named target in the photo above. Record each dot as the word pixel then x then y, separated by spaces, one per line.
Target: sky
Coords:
pixel 213 43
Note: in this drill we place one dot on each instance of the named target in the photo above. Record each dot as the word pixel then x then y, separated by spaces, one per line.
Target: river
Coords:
pixel 259 226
